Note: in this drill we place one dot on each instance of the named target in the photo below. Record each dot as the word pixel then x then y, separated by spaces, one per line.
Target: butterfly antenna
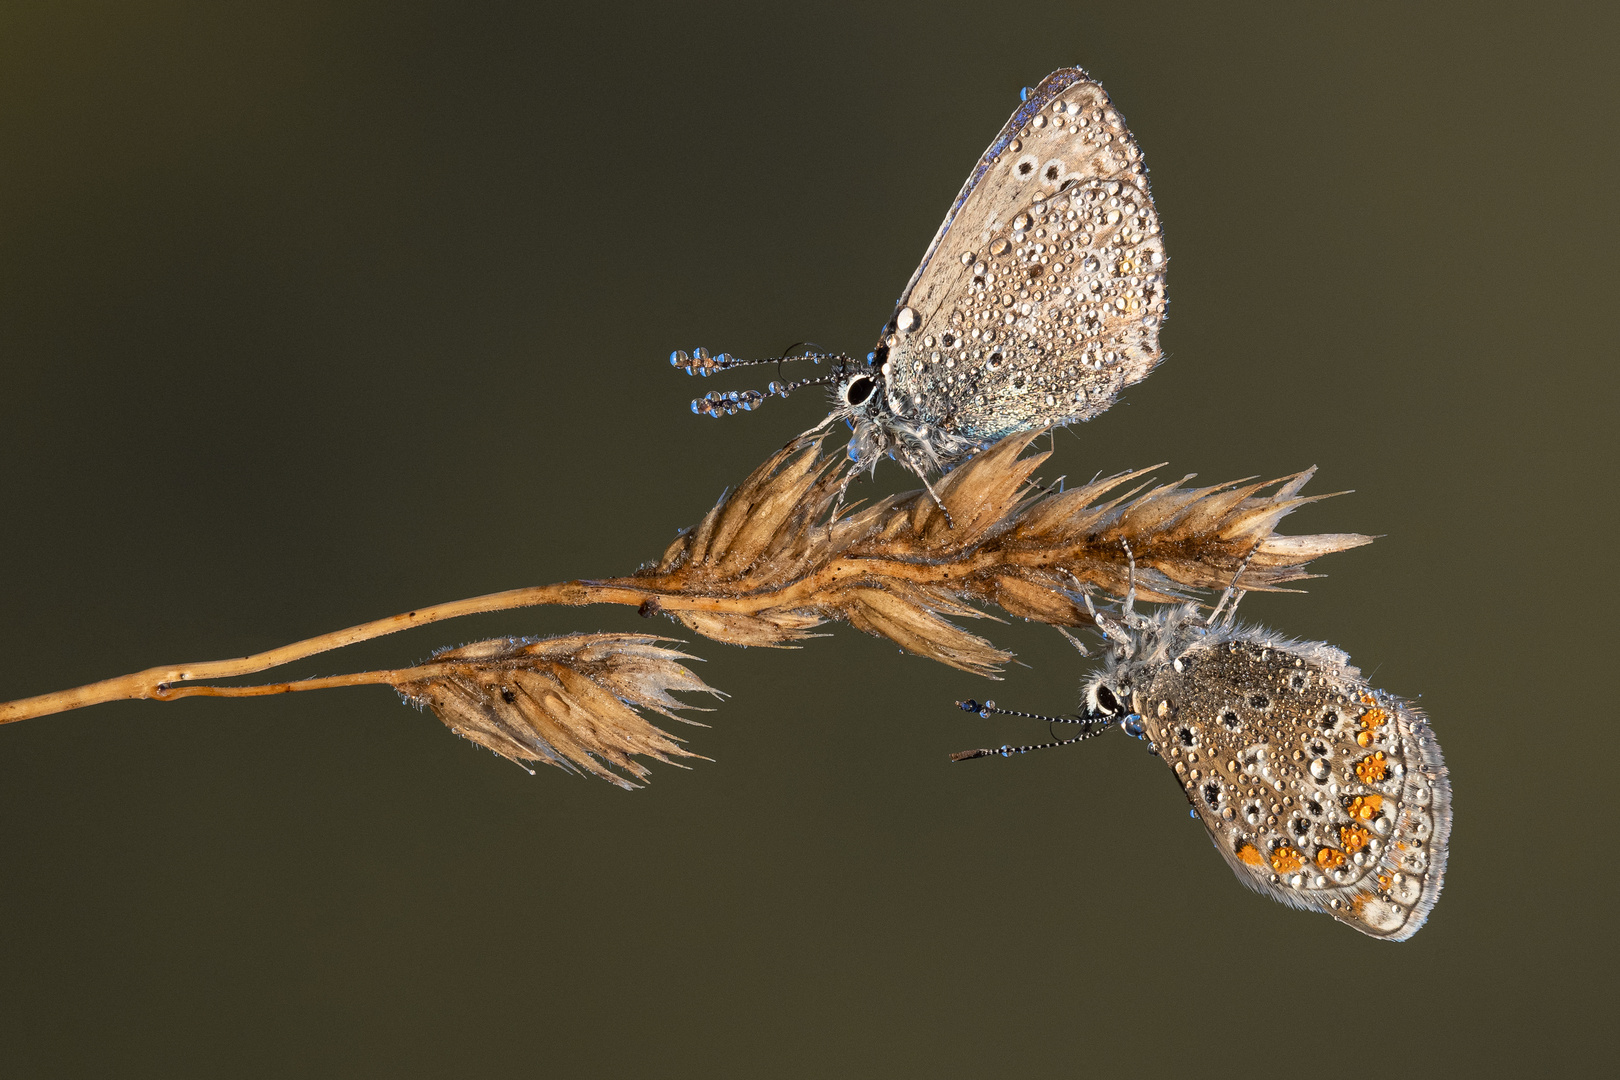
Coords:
pixel 1093 728
pixel 1008 751
pixel 988 709
pixel 729 403
pixel 699 362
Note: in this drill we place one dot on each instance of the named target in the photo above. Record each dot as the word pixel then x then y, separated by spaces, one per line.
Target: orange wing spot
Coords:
pixel 1285 860
pixel 1359 901
pixel 1372 768
pixel 1354 837
pixel 1363 739
pixel 1368 699
pixel 1330 858
pixel 1366 807
pixel 1249 855
pixel 1384 880
pixel 1374 718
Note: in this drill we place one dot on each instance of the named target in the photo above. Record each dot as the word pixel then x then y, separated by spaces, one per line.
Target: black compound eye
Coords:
pixel 1106 701
pixel 859 389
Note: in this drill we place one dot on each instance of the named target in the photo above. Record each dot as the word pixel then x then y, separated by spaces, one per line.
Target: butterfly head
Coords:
pixel 860 399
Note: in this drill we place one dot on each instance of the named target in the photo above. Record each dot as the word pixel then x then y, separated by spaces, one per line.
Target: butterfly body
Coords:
pixel 1320 791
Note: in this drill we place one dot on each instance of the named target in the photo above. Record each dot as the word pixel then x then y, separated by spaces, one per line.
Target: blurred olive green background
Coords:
pixel 313 313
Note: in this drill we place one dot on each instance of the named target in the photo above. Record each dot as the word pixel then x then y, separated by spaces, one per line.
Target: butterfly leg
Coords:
pixel 1233 588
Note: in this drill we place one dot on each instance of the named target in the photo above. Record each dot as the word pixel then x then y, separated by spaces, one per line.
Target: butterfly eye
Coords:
pixel 1106 701
pixel 858 390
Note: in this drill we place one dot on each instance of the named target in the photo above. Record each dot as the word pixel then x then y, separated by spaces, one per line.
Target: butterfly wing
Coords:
pixel 1042 293
pixel 1320 792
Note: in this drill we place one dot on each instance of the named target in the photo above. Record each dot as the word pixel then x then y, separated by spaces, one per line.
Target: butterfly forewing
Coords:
pixel 1043 291
pixel 1320 791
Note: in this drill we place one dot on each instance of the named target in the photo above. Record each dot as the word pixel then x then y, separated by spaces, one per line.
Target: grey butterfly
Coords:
pixel 1039 299
pixel 1318 790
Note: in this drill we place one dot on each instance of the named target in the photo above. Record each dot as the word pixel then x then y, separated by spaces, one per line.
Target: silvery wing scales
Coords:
pixel 1039 299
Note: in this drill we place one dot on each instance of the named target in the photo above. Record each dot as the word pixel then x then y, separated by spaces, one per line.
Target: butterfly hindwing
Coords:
pixel 1043 291
pixel 1318 790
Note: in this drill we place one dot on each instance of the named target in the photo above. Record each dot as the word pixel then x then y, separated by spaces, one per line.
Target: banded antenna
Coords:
pixel 729 403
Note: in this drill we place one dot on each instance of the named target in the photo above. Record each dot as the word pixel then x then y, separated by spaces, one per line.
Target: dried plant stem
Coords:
pixel 158 683
pixel 780 555
pixel 328 682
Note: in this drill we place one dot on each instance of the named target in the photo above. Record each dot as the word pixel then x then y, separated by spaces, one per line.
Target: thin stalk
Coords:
pixel 359 678
pixel 158 683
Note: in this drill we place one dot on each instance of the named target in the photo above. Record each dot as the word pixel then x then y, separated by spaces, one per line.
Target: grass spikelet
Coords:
pixel 566 701
pixel 777 556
